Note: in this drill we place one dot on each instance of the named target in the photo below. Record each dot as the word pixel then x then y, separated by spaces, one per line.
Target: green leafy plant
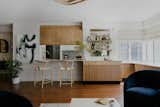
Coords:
pixel 81 45
pixel 14 67
pixel 79 49
pixel 97 53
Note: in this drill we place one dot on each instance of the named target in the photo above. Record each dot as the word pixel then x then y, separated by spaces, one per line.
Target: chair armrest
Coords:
pixel 129 82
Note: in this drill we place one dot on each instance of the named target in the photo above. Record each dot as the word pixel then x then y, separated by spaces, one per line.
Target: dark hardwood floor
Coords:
pixel 55 94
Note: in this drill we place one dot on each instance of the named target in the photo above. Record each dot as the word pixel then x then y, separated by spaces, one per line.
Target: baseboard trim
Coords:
pixel 84 82
pixel 101 82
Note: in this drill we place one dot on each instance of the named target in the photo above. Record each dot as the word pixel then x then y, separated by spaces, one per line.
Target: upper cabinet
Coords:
pixel 60 35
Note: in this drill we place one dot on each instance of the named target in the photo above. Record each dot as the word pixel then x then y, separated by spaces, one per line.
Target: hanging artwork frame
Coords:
pixel 25 48
pixel 3 46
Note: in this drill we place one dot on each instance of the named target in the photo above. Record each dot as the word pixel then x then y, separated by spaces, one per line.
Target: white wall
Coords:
pixel 152 27
pixel 30 28
pixel 130 31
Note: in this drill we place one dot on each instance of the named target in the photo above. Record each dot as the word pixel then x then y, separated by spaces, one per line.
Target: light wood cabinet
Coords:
pixel 139 67
pixel 60 35
pixel 127 69
pixel 101 71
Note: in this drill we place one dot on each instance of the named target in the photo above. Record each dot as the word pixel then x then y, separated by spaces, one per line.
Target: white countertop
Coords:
pixel 124 62
pixel 141 63
pixel 58 60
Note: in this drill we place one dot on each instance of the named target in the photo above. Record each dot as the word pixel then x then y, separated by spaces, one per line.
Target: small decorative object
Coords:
pixel 66 56
pixel 96 37
pixel 104 101
pixel 92 46
pixel 79 57
pixel 3 46
pixel 97 53
pixel 108 52
pixel 103 38
pixel 104 53
pixel 14 67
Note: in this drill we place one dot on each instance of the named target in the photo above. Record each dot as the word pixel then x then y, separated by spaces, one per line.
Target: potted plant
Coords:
pixel 79 49
pixel 14 67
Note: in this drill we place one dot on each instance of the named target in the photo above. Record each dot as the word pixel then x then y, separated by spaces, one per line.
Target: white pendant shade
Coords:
pixel 69 2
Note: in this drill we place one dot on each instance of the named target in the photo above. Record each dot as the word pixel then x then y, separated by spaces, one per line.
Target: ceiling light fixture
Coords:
pixel 69 2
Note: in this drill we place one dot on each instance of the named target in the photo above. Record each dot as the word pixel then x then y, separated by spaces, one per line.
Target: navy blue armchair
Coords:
pixel 142 89
pixel 8 99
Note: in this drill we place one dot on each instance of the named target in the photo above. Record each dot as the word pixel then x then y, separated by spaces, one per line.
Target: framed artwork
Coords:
pixel 25 48
pixel 3 46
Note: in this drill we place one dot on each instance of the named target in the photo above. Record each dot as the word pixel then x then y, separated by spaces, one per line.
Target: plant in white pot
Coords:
pixel 14 67
pixel 79 48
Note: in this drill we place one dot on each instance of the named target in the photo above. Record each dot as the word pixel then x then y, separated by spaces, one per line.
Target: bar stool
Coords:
pixel 42 67
pixel 65 67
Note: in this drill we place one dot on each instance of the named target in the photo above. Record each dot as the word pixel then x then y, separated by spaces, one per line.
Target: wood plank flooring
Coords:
pixel 55 94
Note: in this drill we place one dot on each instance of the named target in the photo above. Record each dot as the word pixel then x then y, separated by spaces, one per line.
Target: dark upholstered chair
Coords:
pixel 142 89
pixel 8 99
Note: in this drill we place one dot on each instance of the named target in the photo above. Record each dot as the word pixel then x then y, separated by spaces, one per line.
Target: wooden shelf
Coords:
pixel 98 30
pixel 98 41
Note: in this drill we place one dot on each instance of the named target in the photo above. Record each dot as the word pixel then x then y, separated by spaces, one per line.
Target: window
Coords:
pixel 149 51
pixel 124 50
pixel 136 50
pixel 131 50
pixel 156 51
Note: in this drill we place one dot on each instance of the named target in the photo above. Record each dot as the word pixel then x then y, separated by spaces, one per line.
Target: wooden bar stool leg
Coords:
pixel 71 77
pixel 51 78
pixel 43 79
pixel 35 76
pixel 60 78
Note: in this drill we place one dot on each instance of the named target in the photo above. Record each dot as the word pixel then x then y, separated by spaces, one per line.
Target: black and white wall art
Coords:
pixel 25 48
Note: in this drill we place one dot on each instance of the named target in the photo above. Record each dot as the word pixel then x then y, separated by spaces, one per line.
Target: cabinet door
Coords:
pixel 48 36
pixel 62 35
pixel 101 71
pixel 89 72
pixel 116 72
pixel 127 69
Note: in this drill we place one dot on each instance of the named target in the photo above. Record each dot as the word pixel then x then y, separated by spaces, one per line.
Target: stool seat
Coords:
pixel 67 68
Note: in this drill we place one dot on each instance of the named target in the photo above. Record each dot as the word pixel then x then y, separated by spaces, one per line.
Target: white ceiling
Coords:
pixel 110 10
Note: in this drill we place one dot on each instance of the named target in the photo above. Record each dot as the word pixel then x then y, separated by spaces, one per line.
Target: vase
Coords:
pixel 16 80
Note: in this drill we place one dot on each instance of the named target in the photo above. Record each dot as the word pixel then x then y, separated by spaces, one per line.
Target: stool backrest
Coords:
pixel 66 64
pixel 40 64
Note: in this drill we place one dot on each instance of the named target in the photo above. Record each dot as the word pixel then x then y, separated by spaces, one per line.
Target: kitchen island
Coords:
pixel 54 65
pixel 91 71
